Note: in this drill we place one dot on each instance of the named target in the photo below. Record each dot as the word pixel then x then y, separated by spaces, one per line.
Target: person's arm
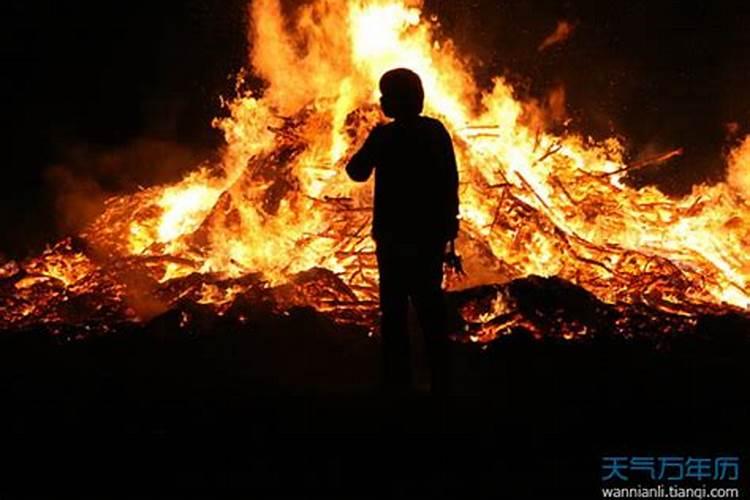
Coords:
pixel 450 170
pixel 361 164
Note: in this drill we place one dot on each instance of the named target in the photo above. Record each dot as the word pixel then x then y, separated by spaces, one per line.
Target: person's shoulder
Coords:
pixel 381 130
pixel 432 123
pixel 377 134
pixel 429 120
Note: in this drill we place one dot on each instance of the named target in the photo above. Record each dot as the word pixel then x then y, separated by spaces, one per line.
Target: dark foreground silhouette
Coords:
pixel 286 405
pixel 415 216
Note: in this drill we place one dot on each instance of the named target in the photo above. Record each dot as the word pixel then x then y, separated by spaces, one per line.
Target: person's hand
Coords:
pixel 453 260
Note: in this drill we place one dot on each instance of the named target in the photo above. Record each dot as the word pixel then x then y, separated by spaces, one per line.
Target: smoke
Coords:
pixel 80 185
pixel 78 199
pixel 547 113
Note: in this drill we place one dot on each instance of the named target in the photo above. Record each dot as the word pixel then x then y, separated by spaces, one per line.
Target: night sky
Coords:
pixel 105 96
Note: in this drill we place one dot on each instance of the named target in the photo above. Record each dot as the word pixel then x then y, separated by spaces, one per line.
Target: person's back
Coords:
pixel 415 215
pixel 415 181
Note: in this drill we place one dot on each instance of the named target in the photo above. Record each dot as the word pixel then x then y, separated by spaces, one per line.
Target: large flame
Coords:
pixel 531 202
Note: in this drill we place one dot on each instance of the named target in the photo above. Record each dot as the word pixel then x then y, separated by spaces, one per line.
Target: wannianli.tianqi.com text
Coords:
pixel 670 491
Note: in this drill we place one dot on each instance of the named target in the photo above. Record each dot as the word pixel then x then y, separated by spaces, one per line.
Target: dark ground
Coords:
pixel 288 405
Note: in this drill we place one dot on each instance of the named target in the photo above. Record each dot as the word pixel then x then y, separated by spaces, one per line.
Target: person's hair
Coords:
pixel 401 93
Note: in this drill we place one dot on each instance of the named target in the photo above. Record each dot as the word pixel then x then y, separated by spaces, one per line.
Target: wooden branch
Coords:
pixel 643 163
pixel 564 190
pixel 528 186
pixel 550 151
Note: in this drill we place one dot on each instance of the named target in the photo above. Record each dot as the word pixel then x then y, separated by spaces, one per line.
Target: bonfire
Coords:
pixel 276 220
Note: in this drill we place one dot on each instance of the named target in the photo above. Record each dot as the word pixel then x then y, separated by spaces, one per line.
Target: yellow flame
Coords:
pixel 531 202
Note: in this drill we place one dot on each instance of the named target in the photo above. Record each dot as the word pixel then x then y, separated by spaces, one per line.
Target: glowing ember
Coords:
pixel 279 204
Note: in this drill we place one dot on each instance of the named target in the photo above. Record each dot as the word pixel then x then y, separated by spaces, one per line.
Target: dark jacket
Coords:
pixel 416 180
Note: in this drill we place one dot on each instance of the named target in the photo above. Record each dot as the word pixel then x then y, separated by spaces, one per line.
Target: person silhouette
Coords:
pixel 415 218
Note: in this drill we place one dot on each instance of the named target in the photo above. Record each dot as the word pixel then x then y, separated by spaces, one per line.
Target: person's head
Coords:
pixel 401 93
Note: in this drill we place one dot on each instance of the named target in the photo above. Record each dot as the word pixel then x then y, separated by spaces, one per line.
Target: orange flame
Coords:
pixel 532 202
pixel 563 31
pixel 739 169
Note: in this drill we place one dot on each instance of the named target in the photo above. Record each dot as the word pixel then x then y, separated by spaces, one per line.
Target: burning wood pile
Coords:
pixel 276 223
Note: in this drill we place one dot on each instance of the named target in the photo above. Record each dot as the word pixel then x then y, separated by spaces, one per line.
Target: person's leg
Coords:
pixel 429 302
pixel 393 322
